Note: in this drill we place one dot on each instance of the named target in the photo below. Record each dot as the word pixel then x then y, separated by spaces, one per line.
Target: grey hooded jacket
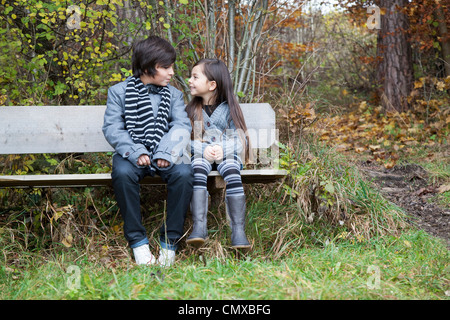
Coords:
pixel 219 130
pixel 173 145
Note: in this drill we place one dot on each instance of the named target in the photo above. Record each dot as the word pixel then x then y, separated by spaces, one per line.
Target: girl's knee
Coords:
pixel 229 164
pixel 200 162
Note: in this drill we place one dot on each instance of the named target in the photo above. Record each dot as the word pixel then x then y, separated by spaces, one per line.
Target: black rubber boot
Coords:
pixel 236 210
pixel 199 210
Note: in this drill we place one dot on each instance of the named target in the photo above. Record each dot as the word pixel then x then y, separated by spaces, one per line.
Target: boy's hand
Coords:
pixel 143 160
pixel 161 163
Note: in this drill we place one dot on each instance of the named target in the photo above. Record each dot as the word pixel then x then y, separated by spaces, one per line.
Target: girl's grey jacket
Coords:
pixel 174 143
pixel 219 129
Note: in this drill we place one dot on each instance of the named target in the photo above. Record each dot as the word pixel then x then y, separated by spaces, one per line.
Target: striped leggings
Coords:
pixel 229 169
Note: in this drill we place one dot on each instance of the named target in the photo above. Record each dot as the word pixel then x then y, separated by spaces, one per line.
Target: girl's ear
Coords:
pixel 212 85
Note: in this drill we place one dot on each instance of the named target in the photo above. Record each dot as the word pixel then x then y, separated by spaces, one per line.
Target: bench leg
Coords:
pixel 216 188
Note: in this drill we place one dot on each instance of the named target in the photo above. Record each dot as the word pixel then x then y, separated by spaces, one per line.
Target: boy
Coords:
pixel 146 124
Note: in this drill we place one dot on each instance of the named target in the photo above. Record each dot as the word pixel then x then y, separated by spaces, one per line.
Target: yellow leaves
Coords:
pixel 59 212
pixel 427 82
pixel 374 147
pixel 362 106
pixel 419 84
pixel 299 117
pixel 440 86
pixel 67 241
pixel 390 164
pixel 115 77
pixel 136 290
pixel 65 214
pixel 443 188
pixel 360 149
pixel 447 80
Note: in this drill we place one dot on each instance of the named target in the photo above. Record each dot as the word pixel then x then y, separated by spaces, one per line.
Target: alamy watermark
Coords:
pixel 264 148
pixel 73 17
pixel 373 282
pixel 373 21
pixel 73 280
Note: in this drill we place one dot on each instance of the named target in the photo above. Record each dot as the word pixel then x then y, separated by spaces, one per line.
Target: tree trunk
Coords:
pixel 258 13
pixel 445 43
pixel 394 70
pixel 231 34
pixel 210 7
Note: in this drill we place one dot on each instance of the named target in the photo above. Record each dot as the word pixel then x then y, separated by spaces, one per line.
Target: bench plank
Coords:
pixel 104 179
pixel 52 129
pixel 78 129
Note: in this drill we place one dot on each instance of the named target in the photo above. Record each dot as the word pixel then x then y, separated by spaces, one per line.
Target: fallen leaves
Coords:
pixel 432 189
pixel 299 116
pixel 443 188
pixel 383 136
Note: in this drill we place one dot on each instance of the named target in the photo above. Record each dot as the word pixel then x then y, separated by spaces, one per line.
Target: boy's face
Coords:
pixel 161 78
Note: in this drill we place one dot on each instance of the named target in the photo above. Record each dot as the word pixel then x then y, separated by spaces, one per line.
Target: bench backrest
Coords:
pixel 68 129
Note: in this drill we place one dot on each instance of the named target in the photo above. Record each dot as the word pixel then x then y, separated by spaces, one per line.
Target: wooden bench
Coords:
pixel 78 129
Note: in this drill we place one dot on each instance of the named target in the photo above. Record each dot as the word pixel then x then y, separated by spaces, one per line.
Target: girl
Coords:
pixel 218 141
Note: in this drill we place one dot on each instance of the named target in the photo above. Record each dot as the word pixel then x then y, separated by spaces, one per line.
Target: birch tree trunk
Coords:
pixel 231 33
pixel 249 46
pixel 210 7
pixel 242 44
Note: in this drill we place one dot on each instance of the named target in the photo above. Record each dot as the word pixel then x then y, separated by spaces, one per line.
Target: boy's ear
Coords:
pixel 212 85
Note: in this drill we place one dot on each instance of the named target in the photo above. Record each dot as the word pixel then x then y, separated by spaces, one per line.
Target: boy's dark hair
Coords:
pixel 149 53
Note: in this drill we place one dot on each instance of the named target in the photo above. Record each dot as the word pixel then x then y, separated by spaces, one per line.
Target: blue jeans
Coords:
pixel 125 179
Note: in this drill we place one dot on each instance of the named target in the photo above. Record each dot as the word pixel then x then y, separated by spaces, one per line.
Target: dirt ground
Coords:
pixel 407 186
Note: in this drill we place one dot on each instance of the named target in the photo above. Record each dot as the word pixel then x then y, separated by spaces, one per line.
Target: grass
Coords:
pixel 291 259
pixel 412 266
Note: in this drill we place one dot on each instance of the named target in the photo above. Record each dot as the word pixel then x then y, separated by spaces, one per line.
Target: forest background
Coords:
pixel 355 84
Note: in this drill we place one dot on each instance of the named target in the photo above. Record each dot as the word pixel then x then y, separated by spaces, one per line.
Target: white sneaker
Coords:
pixel 166 257
pixel 142 255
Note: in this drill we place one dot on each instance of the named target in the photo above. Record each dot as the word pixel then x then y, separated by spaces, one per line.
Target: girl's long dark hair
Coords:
pixel 216 70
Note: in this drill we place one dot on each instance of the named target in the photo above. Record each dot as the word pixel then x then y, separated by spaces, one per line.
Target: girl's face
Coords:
pixel 200 85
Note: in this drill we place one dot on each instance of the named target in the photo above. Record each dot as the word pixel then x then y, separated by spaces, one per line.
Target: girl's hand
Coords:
pixel 218 152
pixel 209 153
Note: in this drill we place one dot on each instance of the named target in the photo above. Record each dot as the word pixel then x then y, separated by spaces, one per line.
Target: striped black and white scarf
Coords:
pixel 139 119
